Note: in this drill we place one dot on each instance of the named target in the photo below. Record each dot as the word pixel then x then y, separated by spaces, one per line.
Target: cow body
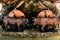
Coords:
pixel 46 21
pixel 12 22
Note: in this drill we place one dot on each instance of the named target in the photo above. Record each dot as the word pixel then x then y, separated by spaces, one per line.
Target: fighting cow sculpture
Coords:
pixel 17 18
pixel 46 17
pixel 51 22
pixel 20 23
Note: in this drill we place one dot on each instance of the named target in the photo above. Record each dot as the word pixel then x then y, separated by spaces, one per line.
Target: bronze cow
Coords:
pixel 51 22
pixel 20 23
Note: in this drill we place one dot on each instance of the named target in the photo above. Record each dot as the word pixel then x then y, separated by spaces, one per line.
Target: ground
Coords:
pixel 57 37
pixel 29 35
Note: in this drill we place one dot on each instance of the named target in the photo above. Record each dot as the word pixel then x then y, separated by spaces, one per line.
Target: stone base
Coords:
pixel 29 33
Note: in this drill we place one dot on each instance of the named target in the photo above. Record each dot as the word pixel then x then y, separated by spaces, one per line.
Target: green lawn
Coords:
pixel 57 37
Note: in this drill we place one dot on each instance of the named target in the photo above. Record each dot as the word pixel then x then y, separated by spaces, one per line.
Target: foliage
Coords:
pixel 53 9
pixel 29 9
pixel 9 7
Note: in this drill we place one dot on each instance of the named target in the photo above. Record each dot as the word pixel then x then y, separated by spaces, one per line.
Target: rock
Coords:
pixel 43 34
pixel 10 33
pixel 29 33
pixel 19 33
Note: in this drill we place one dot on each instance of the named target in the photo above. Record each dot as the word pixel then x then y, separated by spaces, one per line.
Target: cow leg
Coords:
pixel 53 28
pixel 43 27
pixel 6 28
pixel 3 26
pixel 22 27
pixel 18 28
pixel 56 27
pixel 15 27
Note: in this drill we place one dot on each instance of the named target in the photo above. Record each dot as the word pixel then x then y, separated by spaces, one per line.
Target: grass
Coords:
pixel 56 37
